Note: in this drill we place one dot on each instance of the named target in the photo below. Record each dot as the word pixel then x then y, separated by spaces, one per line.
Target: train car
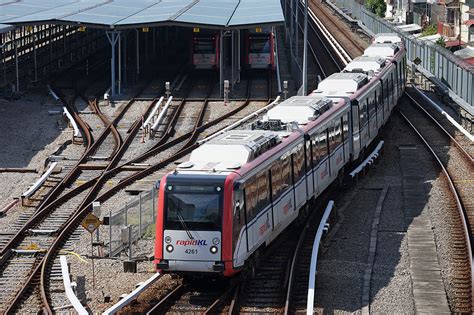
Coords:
pixel 205 50
pixel 242 189
pixel 260 50
pixel 372 83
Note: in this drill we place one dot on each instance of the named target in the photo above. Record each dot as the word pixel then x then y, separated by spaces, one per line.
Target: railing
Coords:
pixel 39 182
pixel 78 307
pixel 134 221
pixel 443 64
pixel 314 258
pixel 129 298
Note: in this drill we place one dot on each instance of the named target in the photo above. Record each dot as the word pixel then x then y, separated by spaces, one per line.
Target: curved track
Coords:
pixel 457 169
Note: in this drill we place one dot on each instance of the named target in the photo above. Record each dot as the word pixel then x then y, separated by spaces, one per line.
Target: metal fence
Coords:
pixel 443 64
pixel 134 221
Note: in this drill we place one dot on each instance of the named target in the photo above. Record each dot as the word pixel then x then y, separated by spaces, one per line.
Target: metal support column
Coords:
pixel 34 56
pixel 146 47
pixel 305 50
pixel 4 65
pixel 120 65
pixel 154 41
pixel 296 32
pixel 125 62
pixel 113 37
pixel 292 27
pixel 221 64
pixel 138 51
pixel 238 56
pixel 232 58
pixel 17 88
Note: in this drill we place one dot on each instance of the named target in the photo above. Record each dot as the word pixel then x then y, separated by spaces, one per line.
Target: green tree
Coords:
pixel 376 6
pixel 429 30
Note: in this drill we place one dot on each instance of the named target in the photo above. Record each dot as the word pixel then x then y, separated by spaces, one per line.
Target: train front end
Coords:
pixel 260 51
pixel 189 224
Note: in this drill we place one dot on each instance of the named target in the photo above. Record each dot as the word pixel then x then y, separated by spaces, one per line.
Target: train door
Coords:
pixel 356 145
pixel 345 136
pixel 239 235
pixel 309 170
pixel 323 157
pixel 299 176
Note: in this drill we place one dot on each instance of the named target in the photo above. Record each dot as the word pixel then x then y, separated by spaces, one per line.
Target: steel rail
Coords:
pixel 461 210
pixel 435 121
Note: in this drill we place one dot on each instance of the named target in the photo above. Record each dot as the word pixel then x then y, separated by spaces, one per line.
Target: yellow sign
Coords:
pixel 32 246
pixel 258 29
pixel 81 29
pixel 29 28
pixel 196 30
pixel 91 222
pixel 145 29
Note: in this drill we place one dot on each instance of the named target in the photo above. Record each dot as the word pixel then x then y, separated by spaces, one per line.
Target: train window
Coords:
pixel 251 197
pixel 338 132
pixel 285 172
pixel 363 113
pixel 298 163
pixel 238 218
pixel 323 145
pixel 309 160
pixel 276 179
pixel 204 46
pixel 371 103
pixel 345 126
pixel 259 45
pixel 332 141
pixel 355 116
pixel 315 154
pixel 262 188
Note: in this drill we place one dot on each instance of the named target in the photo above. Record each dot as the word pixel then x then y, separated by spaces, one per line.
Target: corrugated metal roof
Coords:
pixel 5 28
pixel 257 12
pixel 126 13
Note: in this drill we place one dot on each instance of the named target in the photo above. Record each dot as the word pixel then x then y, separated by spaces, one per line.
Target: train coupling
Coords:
pixel 218 266
pixel 163 265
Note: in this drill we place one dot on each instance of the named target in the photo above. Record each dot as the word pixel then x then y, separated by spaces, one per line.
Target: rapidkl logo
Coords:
pixel 192 242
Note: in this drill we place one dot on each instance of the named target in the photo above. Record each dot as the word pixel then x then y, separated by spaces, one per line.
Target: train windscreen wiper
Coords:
pixel 183 223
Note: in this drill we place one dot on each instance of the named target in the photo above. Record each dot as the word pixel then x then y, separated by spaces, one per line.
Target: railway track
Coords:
pixel 40 231
pixel 457 174
pixel 192 296
pixel 47 262
pixel 457 171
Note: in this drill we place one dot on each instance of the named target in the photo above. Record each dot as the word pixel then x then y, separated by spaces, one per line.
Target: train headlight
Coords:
pixel 168 239
pixel 215 241
pixel 169 248
pixel 213 249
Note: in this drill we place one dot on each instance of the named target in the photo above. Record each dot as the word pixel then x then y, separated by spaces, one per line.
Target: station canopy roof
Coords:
pixel 122 14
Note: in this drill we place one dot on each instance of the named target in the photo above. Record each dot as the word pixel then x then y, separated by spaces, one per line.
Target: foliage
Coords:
pixel 376 6
pixel 430 30
pixel 441 41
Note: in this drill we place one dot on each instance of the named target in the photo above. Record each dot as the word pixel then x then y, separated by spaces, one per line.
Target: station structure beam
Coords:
pixel 221 64
pixel 304 85
pixel 113 37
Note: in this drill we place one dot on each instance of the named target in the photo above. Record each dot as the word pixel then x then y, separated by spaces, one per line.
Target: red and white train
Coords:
pixel 240 190
pixel 260 49
pixel 205 50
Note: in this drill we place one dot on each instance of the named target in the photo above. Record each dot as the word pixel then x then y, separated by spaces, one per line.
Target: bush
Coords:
pixel 376 6
pixel 441 41
pixel 429 30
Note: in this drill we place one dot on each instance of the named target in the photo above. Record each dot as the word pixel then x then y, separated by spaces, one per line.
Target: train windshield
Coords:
pixel 204 46
pixel 193 207
pixel 259 45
